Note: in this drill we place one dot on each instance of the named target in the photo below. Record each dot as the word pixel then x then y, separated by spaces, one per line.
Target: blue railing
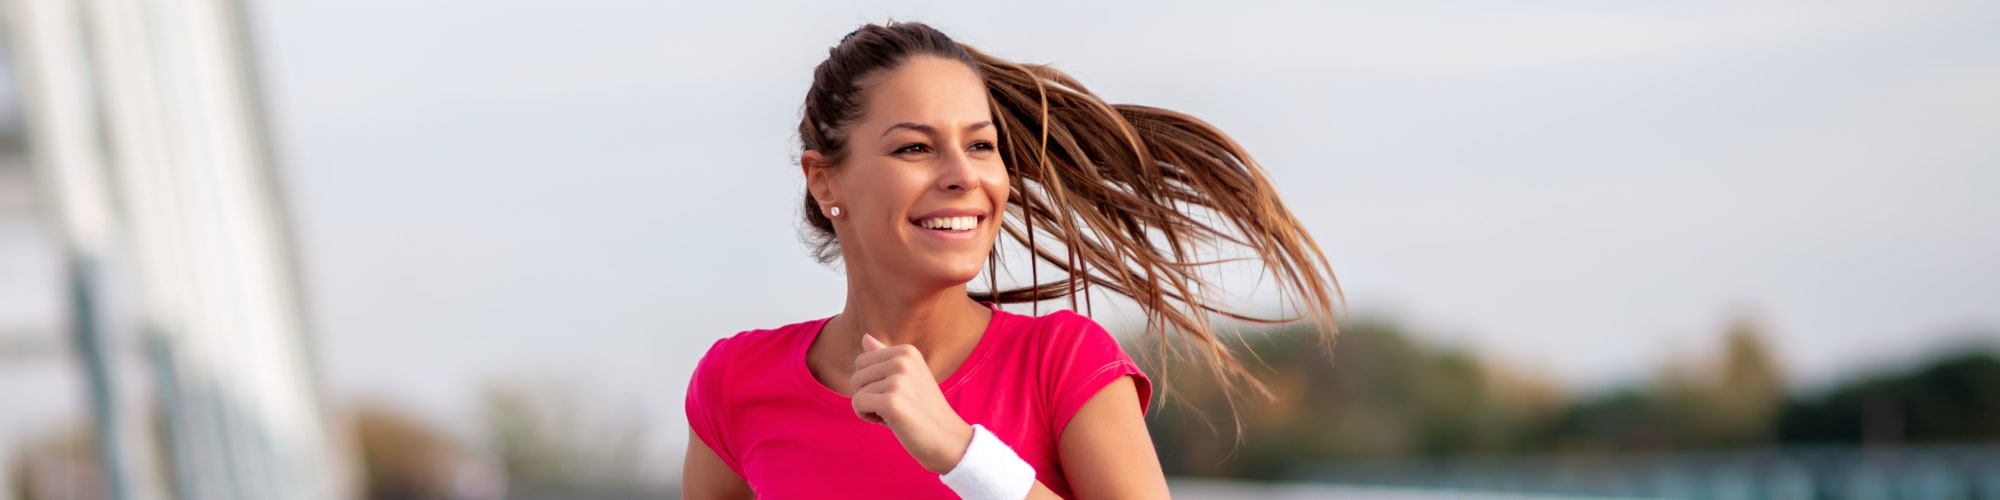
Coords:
pixel 1923 473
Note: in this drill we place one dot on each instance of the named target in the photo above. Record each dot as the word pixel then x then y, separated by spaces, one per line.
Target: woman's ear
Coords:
pixel 819 178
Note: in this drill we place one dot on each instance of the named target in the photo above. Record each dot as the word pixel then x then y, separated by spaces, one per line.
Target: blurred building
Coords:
pixel 153 181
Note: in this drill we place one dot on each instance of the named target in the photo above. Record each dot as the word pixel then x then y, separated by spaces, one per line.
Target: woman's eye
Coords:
pixel 913 148
pixel 982 146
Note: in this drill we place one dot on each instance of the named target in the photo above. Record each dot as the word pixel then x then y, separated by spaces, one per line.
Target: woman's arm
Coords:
pixel 705 477
pixel 1105 450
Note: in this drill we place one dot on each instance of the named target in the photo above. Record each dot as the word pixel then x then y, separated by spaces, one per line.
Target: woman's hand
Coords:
pixel 896 389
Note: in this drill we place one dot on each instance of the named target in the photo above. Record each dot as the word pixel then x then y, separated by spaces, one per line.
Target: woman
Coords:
pixel 918 153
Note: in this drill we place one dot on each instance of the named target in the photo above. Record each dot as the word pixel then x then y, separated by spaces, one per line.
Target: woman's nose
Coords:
pixel 958 174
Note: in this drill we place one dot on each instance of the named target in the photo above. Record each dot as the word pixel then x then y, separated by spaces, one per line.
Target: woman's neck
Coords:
pixel 932 321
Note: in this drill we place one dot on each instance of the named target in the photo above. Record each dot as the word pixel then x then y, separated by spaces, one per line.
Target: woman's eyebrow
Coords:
pixel 927 129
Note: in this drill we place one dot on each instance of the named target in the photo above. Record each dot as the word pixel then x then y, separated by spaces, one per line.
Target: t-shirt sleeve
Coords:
pixel 706 403
pixel 1083 359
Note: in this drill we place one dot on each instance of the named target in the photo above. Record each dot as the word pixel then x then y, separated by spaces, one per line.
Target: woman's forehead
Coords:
pixel 934 91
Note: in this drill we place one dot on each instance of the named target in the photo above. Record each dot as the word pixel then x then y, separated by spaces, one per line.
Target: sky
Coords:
pixel 592 192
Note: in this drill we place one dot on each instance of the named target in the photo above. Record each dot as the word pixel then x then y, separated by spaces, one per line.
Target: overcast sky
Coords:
pixel 596 191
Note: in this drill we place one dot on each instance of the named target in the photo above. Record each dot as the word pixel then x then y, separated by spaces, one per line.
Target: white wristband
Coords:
pixel 990 470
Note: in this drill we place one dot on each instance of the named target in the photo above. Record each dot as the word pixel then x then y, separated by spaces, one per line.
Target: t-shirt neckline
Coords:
pixel 949 385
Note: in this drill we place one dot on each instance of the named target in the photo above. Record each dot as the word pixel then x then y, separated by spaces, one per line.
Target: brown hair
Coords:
pixel 1134 199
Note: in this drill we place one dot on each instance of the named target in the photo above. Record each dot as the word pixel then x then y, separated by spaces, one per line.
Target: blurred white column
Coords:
pixel 179 175
pixel 62 132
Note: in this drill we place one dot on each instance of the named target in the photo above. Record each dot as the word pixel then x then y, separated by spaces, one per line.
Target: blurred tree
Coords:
pixel 1953 399
pixel 60 465
pixel 1726 400
pixel 548 440
pixel 1385 396
pixel 404 459
pixel 1748 390
pixel 1379 395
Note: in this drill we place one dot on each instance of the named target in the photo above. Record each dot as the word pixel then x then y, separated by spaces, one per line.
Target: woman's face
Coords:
pixel 922 187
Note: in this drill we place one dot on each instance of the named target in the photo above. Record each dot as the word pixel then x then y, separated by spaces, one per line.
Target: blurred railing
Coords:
pixel 1927 472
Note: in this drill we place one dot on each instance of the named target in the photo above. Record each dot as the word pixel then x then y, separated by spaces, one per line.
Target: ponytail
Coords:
pixel 1133 197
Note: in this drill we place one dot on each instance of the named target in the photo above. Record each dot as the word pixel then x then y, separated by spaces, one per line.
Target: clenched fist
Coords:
pixel 896 389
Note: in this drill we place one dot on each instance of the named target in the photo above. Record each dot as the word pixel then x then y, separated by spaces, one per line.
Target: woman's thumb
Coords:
pixel 868 343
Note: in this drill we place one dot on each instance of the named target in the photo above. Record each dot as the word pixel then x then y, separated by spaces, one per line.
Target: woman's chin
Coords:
pixel 950 274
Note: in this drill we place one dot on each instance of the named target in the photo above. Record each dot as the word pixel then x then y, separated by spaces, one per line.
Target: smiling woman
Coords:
pixel 918 153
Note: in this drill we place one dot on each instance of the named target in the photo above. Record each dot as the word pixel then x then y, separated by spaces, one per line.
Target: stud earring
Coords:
pixel 834 212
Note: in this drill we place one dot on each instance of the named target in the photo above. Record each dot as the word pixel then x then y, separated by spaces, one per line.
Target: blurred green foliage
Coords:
pixel 549 436
pixel 1381 394
pixel 1953 399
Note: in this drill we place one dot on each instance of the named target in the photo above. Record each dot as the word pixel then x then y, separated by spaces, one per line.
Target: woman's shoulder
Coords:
pixel 1079 356
pixel 1058 325
pixel 1061 334
pixel 752 345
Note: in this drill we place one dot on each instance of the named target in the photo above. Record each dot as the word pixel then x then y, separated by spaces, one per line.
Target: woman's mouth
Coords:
pixel 954 224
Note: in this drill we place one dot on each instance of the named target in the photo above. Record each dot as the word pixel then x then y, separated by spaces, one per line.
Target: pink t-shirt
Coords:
pixel 754 402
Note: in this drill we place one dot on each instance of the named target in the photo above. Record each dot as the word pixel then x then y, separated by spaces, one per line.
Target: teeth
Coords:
pixel 961 223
